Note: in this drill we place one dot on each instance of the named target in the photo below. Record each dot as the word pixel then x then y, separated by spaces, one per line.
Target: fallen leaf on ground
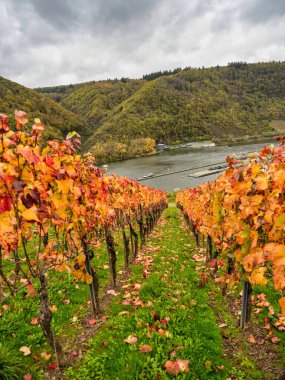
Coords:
pixel 179 366
pixel 125 312
pixel 34 321
pixel 53 365
pixel 275 339
pixel 251 339
pixel 131 339
pixel 26 350
pixel 112 292
pixel 145 348
pixel 45 356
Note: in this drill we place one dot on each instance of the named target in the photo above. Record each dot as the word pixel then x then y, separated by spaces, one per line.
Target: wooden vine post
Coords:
pixel 46 321
pixel 246 304
pixel 111 256
pixel 135 240
pixel 141 225
pixel 126 242
pixel 94 286
pixel 46 315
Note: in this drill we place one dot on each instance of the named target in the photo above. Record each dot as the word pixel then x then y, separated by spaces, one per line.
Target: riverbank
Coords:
pixel 246 139
pixel 171 169
pixel 197 145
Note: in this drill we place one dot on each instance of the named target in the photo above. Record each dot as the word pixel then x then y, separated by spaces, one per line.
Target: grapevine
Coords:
pixel 51 195
pixel 243 214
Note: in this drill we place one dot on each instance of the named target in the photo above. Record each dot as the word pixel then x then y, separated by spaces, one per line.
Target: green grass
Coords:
pixel 11 367
pixel 70 299
pixel 192 331
pixel 178 319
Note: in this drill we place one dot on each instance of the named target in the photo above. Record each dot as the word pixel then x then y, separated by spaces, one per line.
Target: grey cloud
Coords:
pixel 47 42
pixel 261 11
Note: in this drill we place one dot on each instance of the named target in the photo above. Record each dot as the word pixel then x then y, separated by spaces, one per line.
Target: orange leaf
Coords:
pixel 179 366
pixel 276 253
pixel 34 321
pixel 282 304
pixel 145 348
pixel 45 356
pixel 262 182
pixel 251 339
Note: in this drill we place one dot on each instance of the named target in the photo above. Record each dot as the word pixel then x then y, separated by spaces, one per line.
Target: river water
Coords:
pixel 179 159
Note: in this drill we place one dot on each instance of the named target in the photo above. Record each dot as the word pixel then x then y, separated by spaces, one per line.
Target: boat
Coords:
pixel 222 166
pixel 205 173
pixel 149 175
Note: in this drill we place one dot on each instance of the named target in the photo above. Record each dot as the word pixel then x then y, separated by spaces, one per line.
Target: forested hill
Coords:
pixel 172 107
pixel 57 119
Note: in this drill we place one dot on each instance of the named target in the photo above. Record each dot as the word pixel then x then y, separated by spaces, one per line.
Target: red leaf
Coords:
pixel 92 321
pixel 53 365
pixel 165 320
pixel 31 290
pixel 74 353
pixel 5 203
pixel 155 315
pixel 28 376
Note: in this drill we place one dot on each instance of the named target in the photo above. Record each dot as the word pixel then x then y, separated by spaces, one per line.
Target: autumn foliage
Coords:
pixel 56 207
pixel 243 212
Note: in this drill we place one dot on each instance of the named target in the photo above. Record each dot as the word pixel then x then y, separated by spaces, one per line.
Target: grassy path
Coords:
pixel 163 310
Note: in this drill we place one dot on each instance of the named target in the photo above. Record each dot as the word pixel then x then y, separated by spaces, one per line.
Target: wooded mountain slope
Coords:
pixel 57 119
pixel 221 102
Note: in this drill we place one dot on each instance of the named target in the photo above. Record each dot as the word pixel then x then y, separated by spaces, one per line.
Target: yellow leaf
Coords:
pixel 65 185
pixel 257 276
pixel 30 214
pixel 88 279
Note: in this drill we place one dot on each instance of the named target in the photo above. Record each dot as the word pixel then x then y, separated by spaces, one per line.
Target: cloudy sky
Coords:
pixel 50 42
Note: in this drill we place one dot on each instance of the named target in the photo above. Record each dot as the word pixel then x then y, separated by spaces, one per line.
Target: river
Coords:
pixel 179 159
